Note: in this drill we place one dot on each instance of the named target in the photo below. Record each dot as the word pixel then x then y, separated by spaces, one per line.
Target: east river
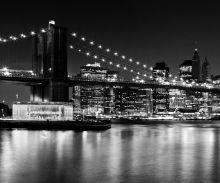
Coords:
pixel 125 153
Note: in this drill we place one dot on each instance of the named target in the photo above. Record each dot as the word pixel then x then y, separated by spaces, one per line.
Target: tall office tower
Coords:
pixel 196 65
pixel 189 70
pixel 205 75
pixel 95 99
pixel 160 95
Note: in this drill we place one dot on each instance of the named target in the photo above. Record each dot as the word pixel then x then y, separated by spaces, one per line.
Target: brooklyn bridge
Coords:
pixel 49 79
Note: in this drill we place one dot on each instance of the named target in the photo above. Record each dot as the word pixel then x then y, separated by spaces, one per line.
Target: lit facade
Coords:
pixel 133 101
pixel 177 99
pixel 94 99
pixel 190 70
pixel 160 95
pixel 216 97
pixel 42 111
pixel 93 72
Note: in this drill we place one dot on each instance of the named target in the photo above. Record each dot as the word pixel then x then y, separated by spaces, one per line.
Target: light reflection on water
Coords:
pixel 175 153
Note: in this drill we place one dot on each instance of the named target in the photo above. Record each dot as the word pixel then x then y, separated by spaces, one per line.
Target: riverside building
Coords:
pixel 94 99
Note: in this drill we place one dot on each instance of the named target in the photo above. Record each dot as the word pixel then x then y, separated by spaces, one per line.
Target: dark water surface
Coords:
pixel 125 153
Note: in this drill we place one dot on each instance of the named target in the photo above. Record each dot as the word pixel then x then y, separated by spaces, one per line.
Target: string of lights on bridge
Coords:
pixel 117 54
pixel 97 57
pixel 20 36
pixel 87 53
pixel 101 56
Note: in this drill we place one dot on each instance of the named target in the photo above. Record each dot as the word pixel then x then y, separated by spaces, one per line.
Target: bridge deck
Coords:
pixel 71 82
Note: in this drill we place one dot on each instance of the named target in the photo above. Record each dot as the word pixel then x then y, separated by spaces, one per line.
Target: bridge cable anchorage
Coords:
pixel 21 36
pixel 100 47
pixel 106 61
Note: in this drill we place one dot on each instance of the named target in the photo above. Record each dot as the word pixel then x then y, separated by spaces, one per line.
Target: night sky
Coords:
pixel 150 32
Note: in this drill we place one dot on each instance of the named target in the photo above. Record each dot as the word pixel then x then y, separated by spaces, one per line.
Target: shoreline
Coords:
pixel 157 122
pixel 54 125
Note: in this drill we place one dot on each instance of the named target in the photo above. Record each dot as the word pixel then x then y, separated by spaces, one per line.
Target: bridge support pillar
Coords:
pixel 39 93
pixel 58 91
pixel 50 61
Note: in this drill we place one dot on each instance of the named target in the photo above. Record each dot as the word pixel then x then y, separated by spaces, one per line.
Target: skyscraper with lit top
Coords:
pixel 190 70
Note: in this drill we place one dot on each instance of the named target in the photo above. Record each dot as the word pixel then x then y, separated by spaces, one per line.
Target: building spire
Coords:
pixel 196 55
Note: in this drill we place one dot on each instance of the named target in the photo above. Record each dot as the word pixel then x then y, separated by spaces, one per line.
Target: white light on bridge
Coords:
pixel 71 46
pixel 132 70
pixel 74 34
pixel 110 63
pixel 116 54
pixel 13 38
pixel 107 50
pixel 118 65
pixel 125 68
pixel 137 63
pixel 123 57
pixel 5 69
pixel 144 66
pixel 23 35
pixel 33 33
pixel 95 56
pixel 103 60
pixel 43 30
pixel 87 53
pixel 100 46
pixel 92 42
pixel 130 60
pixel 145 75
pixel 151 68
pixel 83 39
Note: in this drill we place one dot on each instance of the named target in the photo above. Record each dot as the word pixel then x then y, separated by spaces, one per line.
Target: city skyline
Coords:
pixel 109 91
pixel 150 33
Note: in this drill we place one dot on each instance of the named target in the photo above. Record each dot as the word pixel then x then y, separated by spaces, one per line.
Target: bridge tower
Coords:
pixel 50 61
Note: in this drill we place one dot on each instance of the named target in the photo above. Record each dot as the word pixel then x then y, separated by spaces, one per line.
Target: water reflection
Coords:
pixel 176 153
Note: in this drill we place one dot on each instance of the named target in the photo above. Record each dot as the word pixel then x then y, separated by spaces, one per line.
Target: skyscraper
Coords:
pixel 196 65
pixel 160 95
pixel 190 69
pixel 205 75
pixel 94 99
